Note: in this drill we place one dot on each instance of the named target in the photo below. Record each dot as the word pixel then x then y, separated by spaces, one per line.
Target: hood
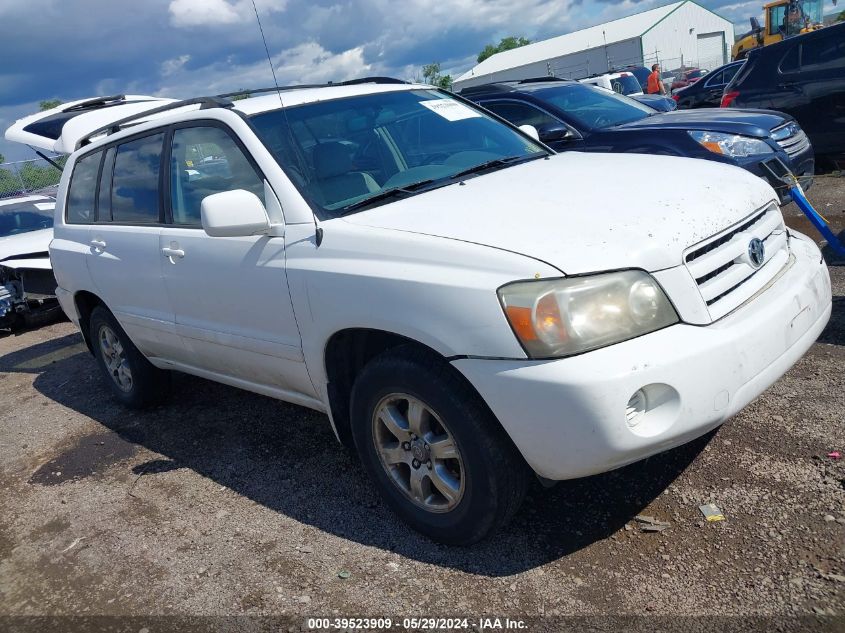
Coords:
pixel 32 243
pixel 756 123
pixel 584 212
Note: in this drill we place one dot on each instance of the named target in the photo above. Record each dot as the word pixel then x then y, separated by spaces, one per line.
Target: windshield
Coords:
pixel 342 152
pixel 23 217
pixel 594 108
pixel 626 84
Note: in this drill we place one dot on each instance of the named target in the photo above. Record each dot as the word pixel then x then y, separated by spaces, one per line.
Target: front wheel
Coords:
pixel 440 458
pixel 132 379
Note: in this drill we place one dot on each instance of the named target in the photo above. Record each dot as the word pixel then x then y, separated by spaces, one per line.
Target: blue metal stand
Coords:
pixel 800 199
pixel 781 176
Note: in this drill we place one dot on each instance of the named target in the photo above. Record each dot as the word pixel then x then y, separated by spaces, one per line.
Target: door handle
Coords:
pixel 173 252
pixel 98 245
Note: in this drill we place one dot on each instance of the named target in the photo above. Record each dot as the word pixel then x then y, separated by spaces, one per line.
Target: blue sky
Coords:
pixel 72 49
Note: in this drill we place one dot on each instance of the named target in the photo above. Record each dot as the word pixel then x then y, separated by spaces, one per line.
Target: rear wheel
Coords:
pixel 440 458
pixel 132 379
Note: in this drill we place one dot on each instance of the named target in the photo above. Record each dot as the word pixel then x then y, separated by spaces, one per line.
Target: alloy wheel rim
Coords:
pixel 418 452
pixel 114 357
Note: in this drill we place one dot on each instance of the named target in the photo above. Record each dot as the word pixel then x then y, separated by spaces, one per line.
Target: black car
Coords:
pixel 803 76
pixel 707 92
pixel 572 116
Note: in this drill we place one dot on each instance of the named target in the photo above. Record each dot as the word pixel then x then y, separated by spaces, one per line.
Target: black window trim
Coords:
pixel 104 148
pixel 103 166
pixel 165 210
pixel 498 99
pixel 169 141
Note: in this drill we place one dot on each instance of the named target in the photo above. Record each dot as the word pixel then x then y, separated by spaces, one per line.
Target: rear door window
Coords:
pixel 81 208
pixel 135 181
pixel 729 73
pixel 718 79
pixel 521 113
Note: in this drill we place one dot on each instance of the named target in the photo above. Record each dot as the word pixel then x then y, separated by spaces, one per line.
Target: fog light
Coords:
pixel 636 408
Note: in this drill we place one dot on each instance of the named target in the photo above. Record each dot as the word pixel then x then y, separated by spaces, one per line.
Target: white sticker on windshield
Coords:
pixel 450 110
pixel 45 206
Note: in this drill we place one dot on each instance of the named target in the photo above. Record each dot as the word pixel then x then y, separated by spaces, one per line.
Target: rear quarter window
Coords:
pixel 81 208
pixel 823 53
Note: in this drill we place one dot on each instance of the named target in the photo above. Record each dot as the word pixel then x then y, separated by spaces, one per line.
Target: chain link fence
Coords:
pixel 26 176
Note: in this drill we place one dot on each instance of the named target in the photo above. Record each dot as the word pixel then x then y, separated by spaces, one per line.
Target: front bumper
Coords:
pixel 568 416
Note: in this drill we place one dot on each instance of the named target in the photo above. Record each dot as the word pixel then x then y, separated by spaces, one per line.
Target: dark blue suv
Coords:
pixel 572 116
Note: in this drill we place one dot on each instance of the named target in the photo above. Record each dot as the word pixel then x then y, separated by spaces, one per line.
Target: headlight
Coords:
pixel 568 316
pixel 732 145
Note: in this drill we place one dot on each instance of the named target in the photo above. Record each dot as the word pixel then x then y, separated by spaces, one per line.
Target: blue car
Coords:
pixel 572 116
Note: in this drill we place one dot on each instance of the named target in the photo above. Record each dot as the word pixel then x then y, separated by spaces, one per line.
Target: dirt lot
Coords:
pixel 223 502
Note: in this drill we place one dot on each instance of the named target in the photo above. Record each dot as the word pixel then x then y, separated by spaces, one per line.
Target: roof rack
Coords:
pixel 508 85
pixel 97 101
pixel 371 80
pixel 349 82
pixel 536 80
pixel 113 127
pixel 217 101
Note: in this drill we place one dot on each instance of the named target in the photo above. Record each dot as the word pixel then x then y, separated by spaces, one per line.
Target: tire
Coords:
pixel 487 479
pixel 146 384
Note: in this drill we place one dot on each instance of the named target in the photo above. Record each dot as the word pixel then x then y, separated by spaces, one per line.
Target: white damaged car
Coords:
pixel 27 284
pixel 467 307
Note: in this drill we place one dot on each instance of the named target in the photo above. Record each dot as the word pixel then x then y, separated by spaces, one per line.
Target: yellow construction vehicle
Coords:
pixel 784 18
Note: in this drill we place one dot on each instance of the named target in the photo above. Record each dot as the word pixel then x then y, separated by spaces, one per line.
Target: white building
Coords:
pixel 678 34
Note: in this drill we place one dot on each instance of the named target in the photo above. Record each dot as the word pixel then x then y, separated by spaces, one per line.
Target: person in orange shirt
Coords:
pixel 655 86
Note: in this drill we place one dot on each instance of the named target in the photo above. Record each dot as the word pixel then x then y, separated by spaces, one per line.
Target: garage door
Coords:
pixel 711 50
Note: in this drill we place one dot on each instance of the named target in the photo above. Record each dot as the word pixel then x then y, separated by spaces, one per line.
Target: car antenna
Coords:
pixel 317 230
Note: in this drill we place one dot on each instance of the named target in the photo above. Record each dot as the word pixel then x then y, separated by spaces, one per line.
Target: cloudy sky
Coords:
pixel 73 49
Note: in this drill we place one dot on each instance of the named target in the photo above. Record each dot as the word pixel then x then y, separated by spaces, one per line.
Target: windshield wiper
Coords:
pixel 496 162
pixel 393 192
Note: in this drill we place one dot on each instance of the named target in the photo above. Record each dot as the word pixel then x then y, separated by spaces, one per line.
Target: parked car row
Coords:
pixel 569 115
pixel 802 76
pixel 467 306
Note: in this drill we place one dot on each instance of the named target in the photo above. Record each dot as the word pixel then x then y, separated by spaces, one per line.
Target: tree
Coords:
pixel 2 159
pixel 841 17
pixel 431 75
pixel 242 94
pixel 49 104
pixel 506 44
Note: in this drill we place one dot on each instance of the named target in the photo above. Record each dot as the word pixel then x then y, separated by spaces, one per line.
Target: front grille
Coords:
pixel 721 265
pixel 791 138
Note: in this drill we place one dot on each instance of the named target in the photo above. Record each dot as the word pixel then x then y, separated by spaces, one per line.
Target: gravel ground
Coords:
pixel 225 503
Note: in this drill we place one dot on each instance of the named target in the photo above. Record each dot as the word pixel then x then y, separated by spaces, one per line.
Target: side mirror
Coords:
pixel 235 213
pixel 551 132
pixel 755 25
pixel 531 131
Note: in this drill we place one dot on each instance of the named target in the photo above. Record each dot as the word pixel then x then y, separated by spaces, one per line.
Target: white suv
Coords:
pixel 624 83
pixel 460 301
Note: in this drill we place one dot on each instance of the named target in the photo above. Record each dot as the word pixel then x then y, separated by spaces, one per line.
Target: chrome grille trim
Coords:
pixel 794 142
pixel 722 269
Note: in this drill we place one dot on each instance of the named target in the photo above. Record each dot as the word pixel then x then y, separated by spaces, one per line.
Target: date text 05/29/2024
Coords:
pixel 418 623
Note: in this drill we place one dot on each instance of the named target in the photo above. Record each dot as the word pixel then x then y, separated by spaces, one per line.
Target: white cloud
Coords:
pixel 170 66
pixel 202 12
pixel 186 13
pixel 306 63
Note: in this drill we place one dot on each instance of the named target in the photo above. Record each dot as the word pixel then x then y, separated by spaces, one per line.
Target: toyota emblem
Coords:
pixel 756 252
